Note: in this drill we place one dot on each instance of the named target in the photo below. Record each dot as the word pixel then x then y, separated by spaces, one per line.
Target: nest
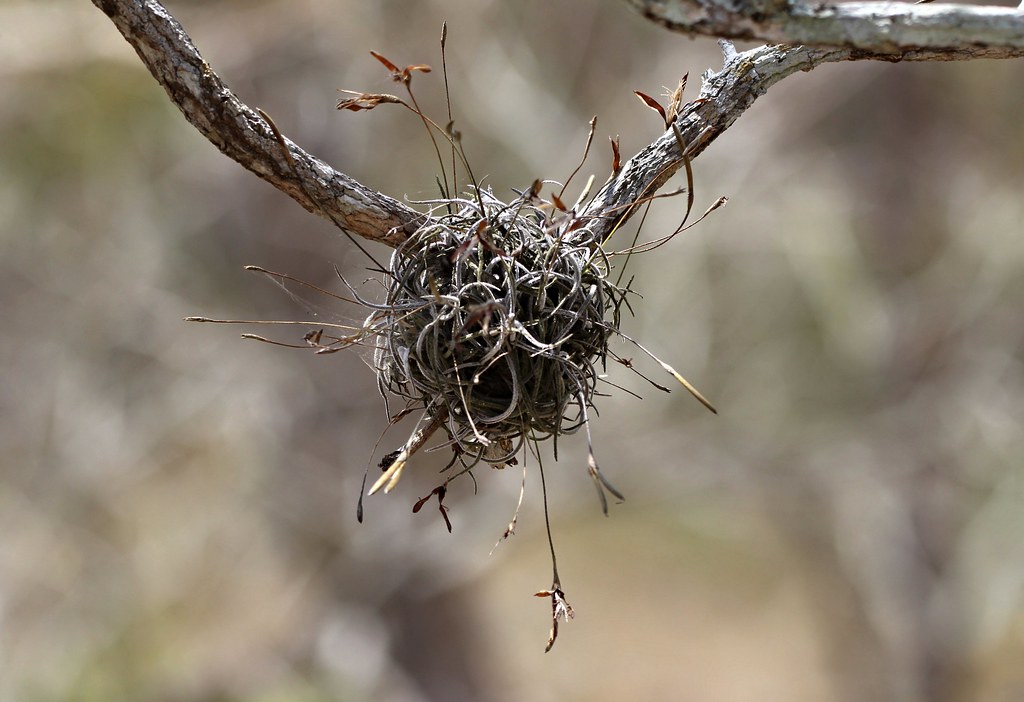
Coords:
pixel 496 323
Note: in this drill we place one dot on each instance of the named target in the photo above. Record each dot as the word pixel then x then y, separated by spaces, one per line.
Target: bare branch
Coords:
pixel 880 31
pixel 244 136
pixel 853 31
pixel 723 98
pixel 876 27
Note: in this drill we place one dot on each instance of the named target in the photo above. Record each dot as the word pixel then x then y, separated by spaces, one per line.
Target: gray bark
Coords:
pixel 961 31
pixel 244 136
pixel 849 32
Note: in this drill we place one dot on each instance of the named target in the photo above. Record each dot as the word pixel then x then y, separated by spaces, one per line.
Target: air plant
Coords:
pixel 497 317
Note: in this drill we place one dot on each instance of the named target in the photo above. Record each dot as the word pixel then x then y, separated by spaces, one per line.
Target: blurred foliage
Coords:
pixel 178 506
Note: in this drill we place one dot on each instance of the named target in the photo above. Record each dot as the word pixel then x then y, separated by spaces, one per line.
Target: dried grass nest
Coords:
pixel 496 322
pixel 496 326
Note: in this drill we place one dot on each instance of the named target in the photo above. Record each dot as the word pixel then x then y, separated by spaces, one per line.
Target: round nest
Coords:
pixel 496 321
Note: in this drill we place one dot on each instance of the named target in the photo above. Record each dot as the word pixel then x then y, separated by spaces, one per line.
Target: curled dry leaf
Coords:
pixel 560 608
pixel 367 101
pixel 653 104
pixel 387 64
pixel 440 491
pixel 401 75
pixel 616 155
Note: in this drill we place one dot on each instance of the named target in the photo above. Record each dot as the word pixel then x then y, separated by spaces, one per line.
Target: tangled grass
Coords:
pixel 497 320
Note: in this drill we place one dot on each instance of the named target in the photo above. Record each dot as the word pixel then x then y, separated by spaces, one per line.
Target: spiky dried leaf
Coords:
pixel 675 100
pixel 653 104
pixel 401 75
pixel 387 64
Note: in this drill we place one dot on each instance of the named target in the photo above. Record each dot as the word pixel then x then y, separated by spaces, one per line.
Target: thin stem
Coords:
pixel 556 583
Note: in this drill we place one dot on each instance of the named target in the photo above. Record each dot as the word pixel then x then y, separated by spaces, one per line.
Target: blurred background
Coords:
pixel 178 506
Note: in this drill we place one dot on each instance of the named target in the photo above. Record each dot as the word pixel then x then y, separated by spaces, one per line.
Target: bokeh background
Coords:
pixel 177 505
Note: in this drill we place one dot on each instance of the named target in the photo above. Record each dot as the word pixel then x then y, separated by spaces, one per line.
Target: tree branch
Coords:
pixel 876 27
pixel 244 136
pixel 725 96
pixel 854 31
